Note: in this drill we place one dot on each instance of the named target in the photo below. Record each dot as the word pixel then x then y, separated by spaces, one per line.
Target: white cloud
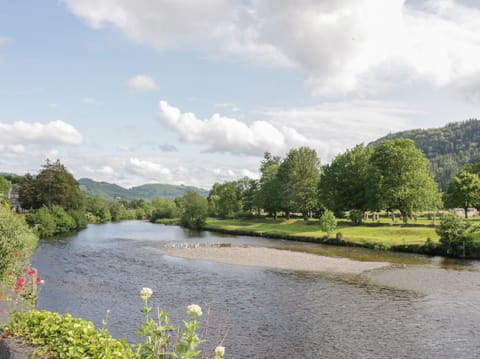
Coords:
pixel 54 132
pixel 224 134
pixel 88 100
pixel 149 170
pixel 159 23
pixel 53 105
pixel 142 83
pixel 336 126
pixel 342 45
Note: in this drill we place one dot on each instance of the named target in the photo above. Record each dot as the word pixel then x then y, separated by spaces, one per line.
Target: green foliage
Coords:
pixel 118 211
pixel 98 210
pixel 43 222
pixel 268 196
pixel 54 185
pixel 299 175
pixel 63 221
pixel 455 235
pixel 79 216
pixel 16 240
pixel 4 189
pixel 400 179
pixel 356 216
pixel 463 191
pixel 225 200
pixel 327 222
pixel 448 148
pixel 164 208
pixel 49 222
pixel 195 210
pixel 64 336
pixel 343 183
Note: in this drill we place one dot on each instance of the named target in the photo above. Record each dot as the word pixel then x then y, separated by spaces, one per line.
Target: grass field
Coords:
pixel 384 233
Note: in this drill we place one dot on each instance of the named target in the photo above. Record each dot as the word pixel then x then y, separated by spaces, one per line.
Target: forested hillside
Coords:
pixel 111 191
pixel 448 148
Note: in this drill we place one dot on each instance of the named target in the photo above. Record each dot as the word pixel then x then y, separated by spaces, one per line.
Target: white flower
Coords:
pixel 146 293
pixel 220 351
pixel 195 310
pixel 42 282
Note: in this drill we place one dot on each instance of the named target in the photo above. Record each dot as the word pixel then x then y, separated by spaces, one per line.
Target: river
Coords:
pixel 420 308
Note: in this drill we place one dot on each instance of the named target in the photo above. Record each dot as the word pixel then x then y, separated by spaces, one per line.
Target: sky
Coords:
pixel 195 92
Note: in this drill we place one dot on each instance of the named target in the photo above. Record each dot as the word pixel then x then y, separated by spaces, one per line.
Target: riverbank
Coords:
pixel 276 259
pixel 396 237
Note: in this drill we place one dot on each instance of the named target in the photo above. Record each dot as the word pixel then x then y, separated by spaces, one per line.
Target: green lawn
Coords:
pixel 384 233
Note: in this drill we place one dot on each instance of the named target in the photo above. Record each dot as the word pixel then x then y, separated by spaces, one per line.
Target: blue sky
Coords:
pixel 189 92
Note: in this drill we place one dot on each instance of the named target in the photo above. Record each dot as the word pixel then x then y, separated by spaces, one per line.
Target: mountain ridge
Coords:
pixel 111 191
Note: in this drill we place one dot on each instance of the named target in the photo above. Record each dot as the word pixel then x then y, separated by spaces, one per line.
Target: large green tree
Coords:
pixel 268 196
pixel 299 175
pixel 343 182
pixel 463 191
pixel 225 199
pixel 400 179
pixel 54 185
pixel 195 210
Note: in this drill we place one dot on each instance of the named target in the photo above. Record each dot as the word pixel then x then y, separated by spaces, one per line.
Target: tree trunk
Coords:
pixel 466 212
pixel 287 214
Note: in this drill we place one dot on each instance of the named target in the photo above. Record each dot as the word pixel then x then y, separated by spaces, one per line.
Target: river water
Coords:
pixel 419 308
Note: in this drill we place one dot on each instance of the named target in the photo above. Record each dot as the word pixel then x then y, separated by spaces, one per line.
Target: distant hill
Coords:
pixel 448 148
pixel 111 191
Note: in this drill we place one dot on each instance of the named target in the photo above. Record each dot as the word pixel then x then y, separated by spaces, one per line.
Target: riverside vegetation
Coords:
pixel 392 179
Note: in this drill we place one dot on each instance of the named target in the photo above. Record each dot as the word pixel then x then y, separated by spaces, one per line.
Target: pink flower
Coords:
pixel 25 270
pixel 32 272
pixel 17 254
pixel 39 280
pixel 20 284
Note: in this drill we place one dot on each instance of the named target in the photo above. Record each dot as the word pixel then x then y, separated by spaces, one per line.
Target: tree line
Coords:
pixel 393 176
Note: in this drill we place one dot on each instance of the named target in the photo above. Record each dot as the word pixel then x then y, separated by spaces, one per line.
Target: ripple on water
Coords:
pixel 420 311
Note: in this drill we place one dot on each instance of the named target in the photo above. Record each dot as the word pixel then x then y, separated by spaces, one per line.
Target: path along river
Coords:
pixel 417 308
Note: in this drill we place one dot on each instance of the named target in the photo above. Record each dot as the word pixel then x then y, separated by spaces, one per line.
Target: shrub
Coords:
pixel 328 222
pixel 356 216
pixel 64 336
pixel 43 222
pixel 80 218
pixel 455 235
pixel 17 242
pixel 63 221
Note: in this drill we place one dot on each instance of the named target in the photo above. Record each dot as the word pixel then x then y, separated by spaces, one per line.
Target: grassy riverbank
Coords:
pixel 374 234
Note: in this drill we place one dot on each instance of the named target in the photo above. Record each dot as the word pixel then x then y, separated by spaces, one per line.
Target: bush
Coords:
pixel 356 216
pixel 328 222
pixel 455 235
pixel 17 242
pixel 43 222
pixel 66 336
pixel 63 221
pixel 80 218
pixel 63 336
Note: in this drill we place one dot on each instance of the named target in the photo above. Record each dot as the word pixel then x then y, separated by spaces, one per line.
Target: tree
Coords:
pixel 400 179
pixel 226 199
pixel 54 185
pixel 195 210
pixel 463 191
pixel 298 177
pixel 343 183
pixel 268 196
pixel 98 210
